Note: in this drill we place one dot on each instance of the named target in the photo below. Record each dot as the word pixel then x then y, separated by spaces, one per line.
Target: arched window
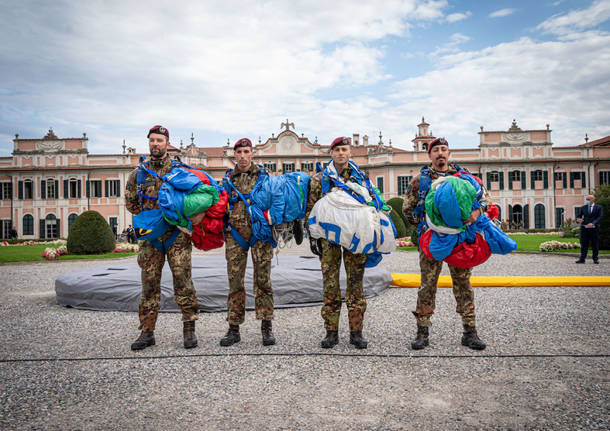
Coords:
pixel 51 230
pixel 539 216
pixel 71 218
pixel 28 224
pixel 517 219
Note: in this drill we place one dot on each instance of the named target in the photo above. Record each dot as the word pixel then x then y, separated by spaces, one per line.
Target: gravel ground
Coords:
pixel 546 365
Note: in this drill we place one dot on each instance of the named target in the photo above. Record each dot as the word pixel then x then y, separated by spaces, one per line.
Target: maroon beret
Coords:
pixel 437 141
pixel 243 142
pixel 160 130
pixel 341 140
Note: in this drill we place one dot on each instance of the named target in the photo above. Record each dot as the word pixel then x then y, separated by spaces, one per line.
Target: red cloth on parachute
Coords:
pixel 208 234
pixel 463 255
pixel 493 212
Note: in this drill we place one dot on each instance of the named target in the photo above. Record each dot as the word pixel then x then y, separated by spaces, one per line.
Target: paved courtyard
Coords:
pixel 546 365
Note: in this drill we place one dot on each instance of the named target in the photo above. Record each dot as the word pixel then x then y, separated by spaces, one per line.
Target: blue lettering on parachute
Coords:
pixel 354 244
pixel 332 228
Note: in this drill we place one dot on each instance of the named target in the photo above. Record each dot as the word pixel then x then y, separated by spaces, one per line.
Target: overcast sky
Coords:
pixel 230 69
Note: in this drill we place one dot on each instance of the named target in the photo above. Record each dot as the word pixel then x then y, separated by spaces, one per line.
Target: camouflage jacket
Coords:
pixel 150 188
pixel 238 216
pixel 412 196
pixel 315 189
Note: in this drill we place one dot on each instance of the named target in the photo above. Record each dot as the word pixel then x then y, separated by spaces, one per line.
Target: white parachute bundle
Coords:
pixel 359 228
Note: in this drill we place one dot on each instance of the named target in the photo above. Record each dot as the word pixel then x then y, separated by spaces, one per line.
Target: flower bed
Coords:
pixel 404 242
pixel 125 247
pixel 51 253
pixel 55 242
pixel 558 245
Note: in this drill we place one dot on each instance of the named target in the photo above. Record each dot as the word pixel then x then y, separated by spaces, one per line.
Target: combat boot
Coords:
pixel 232 336
pixel 471 339
pixel 190 339
pixel 144 340
pixel 421 340
pixel 331 339
pixel 268 338
pixel 356 338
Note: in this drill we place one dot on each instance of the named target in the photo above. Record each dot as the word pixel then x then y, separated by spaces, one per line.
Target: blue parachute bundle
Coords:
pixel 275 200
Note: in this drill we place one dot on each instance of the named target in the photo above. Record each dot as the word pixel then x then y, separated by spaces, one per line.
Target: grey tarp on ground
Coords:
pixel 296 281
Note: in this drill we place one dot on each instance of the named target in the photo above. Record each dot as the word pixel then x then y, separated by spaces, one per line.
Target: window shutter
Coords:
pixel 87 192
pixel 10 190
pixel 523 181
pixel 571 180
pixel 79 189
pixel 510 213
pixel 42 233
pixel 58 224
pixel 106 186
pixel 584 180
pixel 564 177
pixel 488 180
pixel 118 188
pixel 526 216
pixel 501 180
pixel 57 189
pixel 510 179
pixel 532 179
pixel 43 189
pixel 20 189
pixel 546 179
pixel 65 189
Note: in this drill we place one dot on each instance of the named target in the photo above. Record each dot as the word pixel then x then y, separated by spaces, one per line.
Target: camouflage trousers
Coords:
pixel 151 261
pixel 426 295
pixel 237 257
pixel 354 293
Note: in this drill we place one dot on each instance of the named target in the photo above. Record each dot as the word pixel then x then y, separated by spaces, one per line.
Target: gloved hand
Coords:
pixel 316 246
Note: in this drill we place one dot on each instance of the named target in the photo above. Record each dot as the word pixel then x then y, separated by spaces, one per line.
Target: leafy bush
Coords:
pixel 398 224
pixel 90 234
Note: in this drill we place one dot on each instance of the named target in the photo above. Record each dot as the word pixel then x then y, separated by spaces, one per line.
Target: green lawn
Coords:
pixel 532 242
pixel 33 253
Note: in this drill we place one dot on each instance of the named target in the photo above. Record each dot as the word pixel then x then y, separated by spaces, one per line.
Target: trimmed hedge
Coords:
pixel 90 234
pixel 398 224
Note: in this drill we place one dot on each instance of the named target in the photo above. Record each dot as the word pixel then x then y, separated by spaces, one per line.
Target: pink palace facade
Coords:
pixel 48 182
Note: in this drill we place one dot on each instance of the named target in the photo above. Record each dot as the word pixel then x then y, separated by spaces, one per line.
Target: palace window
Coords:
pixel 28 189
pixel 28 224
pixel 604 177
pixel 51 189
pixel 113 188
pixel 270 167
pixel 307 166
pixel 95 188
pixel 537 175
pixel 494 176
pixel 403 184
pixel 6 190
pixel 71 219
pixel 539 216
pixel 515 175
pixel 288 167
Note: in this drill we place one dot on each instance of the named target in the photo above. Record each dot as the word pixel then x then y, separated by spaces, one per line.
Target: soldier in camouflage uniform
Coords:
pixel 330 260
pixel 244 179
pixel 438 151
pixel 152 260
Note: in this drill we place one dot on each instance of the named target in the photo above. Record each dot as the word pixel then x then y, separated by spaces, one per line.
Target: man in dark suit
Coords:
pixel 589 218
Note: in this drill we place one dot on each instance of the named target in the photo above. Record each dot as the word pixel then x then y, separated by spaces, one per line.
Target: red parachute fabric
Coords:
pixel 463 255
pixel 493 212
pixel 208 234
